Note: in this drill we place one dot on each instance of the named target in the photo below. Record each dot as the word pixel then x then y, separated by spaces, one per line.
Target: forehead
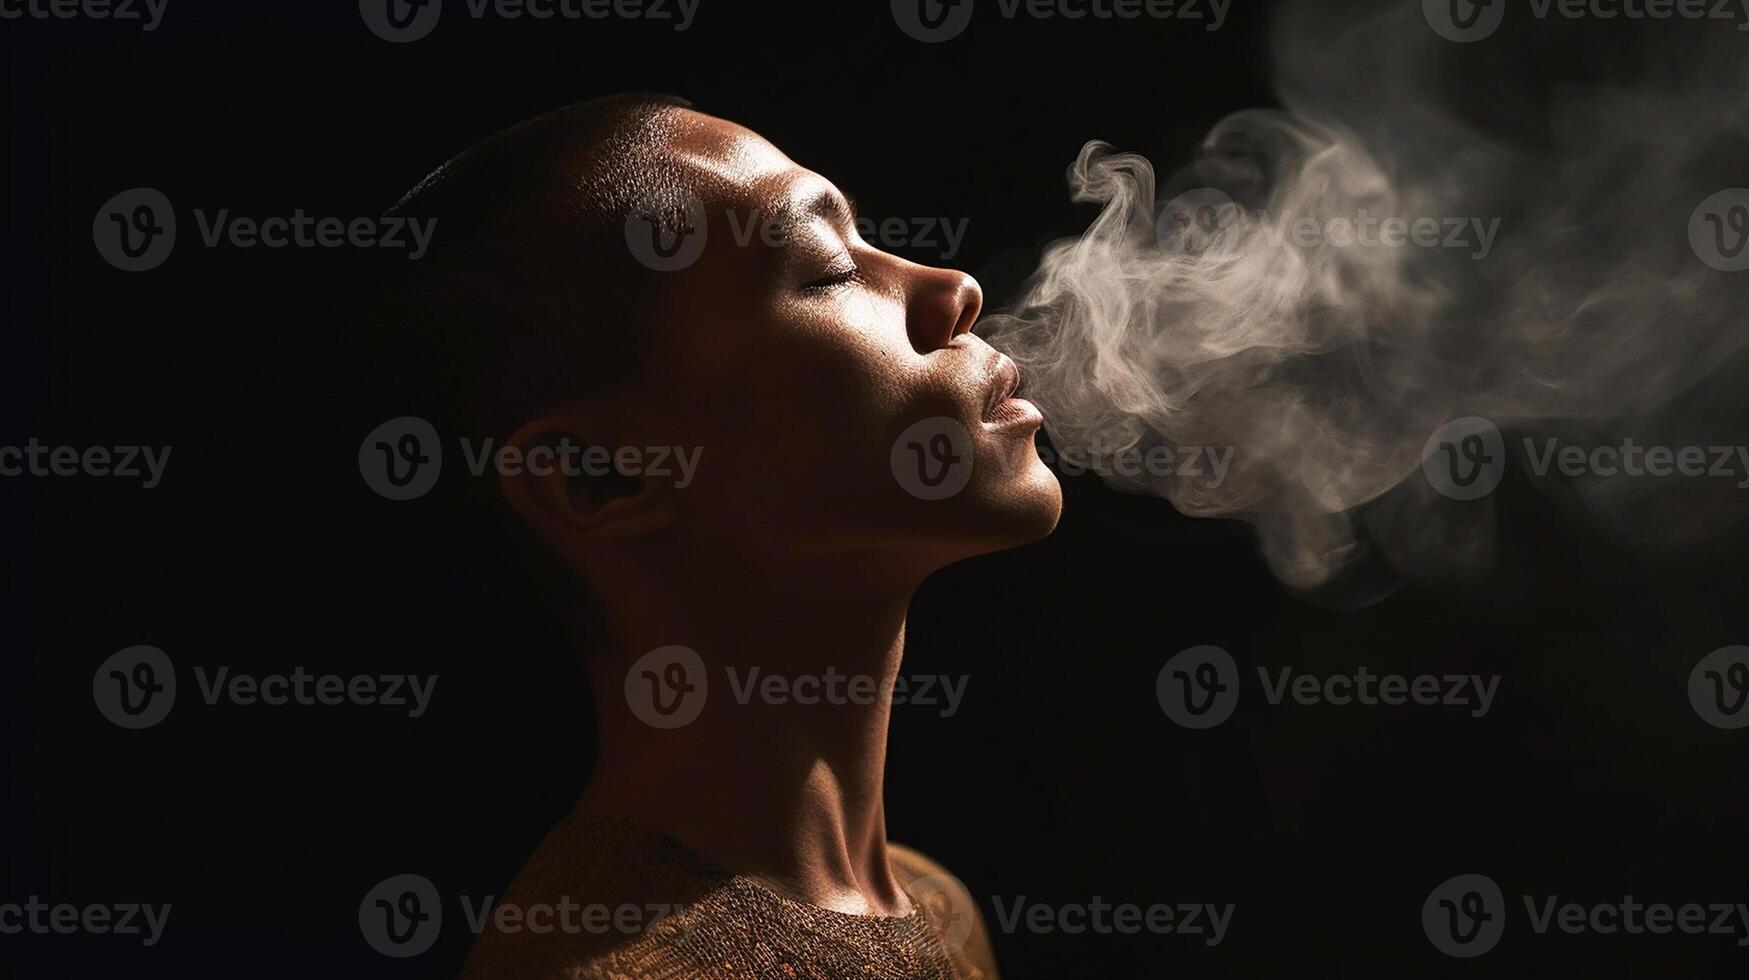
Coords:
pixel 730 167
pixel 731 163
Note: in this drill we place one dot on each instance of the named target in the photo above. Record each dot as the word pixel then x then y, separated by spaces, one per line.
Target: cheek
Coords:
pixel 848 370
pixel 808 402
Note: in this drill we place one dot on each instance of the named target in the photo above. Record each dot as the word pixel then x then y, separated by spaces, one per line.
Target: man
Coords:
pixel 634 275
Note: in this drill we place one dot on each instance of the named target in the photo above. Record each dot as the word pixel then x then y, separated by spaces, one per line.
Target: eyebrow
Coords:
pixel 826 203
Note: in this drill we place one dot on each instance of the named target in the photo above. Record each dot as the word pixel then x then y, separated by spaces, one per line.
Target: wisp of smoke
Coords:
pixel 1325 286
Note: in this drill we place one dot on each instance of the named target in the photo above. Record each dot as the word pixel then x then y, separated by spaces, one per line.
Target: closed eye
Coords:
pixel 835 280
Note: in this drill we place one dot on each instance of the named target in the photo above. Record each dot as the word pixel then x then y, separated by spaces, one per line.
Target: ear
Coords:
pixel 560 478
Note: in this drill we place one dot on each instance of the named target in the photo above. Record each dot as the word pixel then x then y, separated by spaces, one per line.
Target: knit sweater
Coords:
pixel 603 899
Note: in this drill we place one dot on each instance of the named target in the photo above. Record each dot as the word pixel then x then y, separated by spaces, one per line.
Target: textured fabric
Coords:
pixel 680 916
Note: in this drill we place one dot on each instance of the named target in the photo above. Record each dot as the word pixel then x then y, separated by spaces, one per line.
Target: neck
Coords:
pixel 780 774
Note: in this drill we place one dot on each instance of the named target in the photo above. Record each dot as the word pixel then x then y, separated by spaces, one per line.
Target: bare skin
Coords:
pixel 794 366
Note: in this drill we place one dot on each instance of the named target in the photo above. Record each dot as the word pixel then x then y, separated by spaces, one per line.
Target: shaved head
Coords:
pixel 528 296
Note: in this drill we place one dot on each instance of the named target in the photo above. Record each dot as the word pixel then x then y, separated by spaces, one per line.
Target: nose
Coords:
pixel 944 304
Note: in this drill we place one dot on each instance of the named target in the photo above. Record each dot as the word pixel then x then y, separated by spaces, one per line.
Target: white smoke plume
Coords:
pixel 1325 285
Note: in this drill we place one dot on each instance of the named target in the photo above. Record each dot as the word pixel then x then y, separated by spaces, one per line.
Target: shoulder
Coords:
pixel 593 900
pixel 950 905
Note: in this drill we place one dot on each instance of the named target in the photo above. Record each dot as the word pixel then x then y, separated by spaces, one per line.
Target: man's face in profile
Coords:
pixel 842 405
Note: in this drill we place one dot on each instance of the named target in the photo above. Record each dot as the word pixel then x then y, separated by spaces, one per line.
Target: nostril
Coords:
pixel 943 305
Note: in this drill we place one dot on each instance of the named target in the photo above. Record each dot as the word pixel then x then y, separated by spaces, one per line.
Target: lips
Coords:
pixel 1005 411
pixel 1002 385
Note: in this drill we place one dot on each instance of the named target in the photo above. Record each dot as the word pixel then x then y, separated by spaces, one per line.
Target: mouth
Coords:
pixel 1003 407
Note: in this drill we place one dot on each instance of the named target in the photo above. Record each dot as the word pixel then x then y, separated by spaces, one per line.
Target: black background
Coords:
pixel 1059 780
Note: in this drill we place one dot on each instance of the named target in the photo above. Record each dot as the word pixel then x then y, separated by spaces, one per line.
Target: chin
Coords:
pixel 1011 499
pixel 1019 508
pixel 1037 501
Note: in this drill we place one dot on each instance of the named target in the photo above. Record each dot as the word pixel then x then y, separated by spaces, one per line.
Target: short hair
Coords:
pixel 526 298
pixel 527 295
